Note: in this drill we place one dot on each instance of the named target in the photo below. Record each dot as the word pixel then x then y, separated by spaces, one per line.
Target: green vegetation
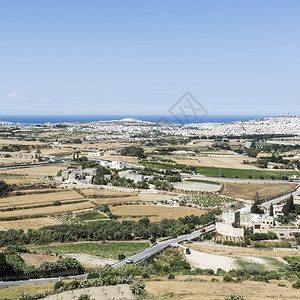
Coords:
pixel 111 249
pixel 241 173
pixel 104 230
pixel 87 216
pixel 11 263
pixel 99 177
pixel 207 201
pixel 4 188
pixel 291 259
pixel 235 297
pixel 204 181
pixel 223 172
pixel 133 151
pixel 261 236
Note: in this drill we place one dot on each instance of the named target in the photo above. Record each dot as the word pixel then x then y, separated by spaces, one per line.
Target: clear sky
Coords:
pixel 139 57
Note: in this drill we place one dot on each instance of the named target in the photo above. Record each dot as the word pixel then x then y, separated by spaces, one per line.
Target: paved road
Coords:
pixel 38 280
pixel 267 204
pixel 52 160
pixel 277 200
pixel 162 245
pixel 158 247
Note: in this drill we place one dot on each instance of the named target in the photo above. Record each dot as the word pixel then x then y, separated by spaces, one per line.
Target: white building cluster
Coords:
pixel 135 129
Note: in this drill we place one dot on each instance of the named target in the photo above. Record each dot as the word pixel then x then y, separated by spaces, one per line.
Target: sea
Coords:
pixel 41 119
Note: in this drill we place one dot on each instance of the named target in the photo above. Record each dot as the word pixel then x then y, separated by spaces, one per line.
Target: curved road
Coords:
pixel 162 245
pixel 149 251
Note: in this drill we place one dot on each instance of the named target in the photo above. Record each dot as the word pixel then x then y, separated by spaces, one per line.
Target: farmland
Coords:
pixel 105 193
pixel 154 212
pixel 36 172
pixel 112 197
pixel 240 173
pixel 34 200
pixel 108 250
pixel 207 201
pixel 26 224
pixel 224 172
pixel 43 204
pixel 42 211
pixel 197 185
pixel 248 190
pixel 201 287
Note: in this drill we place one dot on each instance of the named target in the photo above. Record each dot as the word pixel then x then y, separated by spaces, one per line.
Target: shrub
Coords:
pixel 171 276
pixel 84 297
pixel 214 280
pixel 121 256
pixel 281 284
pixel 235 297
pixel 227 278
pixel 137 287
pixel 58 285
pixel 145 275
pixel 26 297
pixel 296 285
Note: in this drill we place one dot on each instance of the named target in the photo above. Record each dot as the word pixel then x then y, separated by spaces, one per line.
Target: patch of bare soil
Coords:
pixel 37 259
pixel 228 251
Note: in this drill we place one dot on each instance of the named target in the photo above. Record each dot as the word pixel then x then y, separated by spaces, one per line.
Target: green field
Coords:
pixel 240 173
pixel 291 259
pixel 93 215
pixel 108 250
pixel 223 172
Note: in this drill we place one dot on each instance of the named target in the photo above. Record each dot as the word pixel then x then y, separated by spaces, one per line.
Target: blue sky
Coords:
pixel 139 57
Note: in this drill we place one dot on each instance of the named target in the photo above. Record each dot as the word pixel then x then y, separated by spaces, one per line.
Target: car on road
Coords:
pixel 187 251
pixel 203 230
pixel 129 261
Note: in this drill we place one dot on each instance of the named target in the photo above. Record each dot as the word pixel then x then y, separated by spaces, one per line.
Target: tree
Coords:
pixel 255 209
pixel 272 210
pixel 256 197
pixel 4 188
pixel 3 264
pixel 289 206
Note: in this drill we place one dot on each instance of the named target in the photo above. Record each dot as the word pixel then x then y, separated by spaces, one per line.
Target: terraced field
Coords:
pixel 155 212
pixel 103 193
pixel 23 201
pixel 43 204
pixel 44 211
pixel 26 224
pixel 248 190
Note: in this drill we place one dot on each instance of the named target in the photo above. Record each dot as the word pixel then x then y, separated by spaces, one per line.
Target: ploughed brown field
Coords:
pixel 154 212
pixel 202 288
pixel 247 190
pixel 37 259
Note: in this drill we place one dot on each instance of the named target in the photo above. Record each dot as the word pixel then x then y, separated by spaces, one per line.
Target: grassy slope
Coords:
pixel 109 250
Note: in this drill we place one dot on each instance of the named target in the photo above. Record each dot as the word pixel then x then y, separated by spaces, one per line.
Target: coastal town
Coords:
pixel 193 191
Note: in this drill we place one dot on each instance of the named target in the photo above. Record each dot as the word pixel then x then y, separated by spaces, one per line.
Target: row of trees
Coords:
pixel 104 230
pixel 11 263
